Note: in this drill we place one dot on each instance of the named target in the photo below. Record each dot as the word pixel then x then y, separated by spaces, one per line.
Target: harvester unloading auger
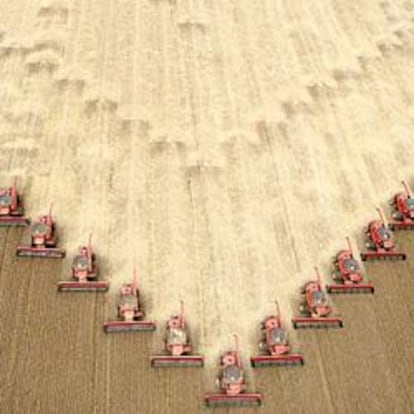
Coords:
pixel 85 273
pixel 177 345
pixel 381 244
pixel 347 274
pixel 11 208
pixel 130 313
pixel 43 239
pixel 403 214
pixel 315 308
pixel 276 344
pixel 232 383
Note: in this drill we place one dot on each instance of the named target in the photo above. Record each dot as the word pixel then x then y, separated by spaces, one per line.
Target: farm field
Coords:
pixel 224 149
pixel 56 358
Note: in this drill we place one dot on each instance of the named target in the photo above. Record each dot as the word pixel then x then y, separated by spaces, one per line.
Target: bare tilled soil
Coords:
pixel 56 358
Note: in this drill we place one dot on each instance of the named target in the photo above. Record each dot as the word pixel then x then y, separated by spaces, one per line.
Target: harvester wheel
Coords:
pixel 370 245
pixel 396 216
pixel 336 276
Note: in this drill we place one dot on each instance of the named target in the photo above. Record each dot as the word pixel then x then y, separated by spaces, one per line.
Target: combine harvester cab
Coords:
pixel 403 214
pixel 381 244
pixel 130 314
pixel 232 384
pixel 84 273
pixel 11 208
pixel 43 240
pixel 275 343
pixel 177 345
pixel 315 308
pixel 347 274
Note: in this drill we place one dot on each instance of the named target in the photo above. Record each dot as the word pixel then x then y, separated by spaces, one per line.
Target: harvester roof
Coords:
pixel 176 336
pixel 5 200
pixel 410 202
pixel 129 300
pixel 39 228
pixel 384 233
pixel 350 264
pixel 232 373
pixel 80 262
pixel 277 335
pixel 318 297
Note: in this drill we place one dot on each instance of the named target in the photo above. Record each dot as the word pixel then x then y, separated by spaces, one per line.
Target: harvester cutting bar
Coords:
pixel 41 252
pixel 383 255
pixel 276 360
pixel 6 221
pixel 239 400
pixel 128 326
pixel 309 322
pixel 92 286
pixel 355 288
pixel 401 225
pixel 177 361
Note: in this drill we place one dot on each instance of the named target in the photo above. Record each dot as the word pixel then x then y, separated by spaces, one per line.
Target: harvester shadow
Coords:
pixel 48 44
pixel 128 125
pixel 34 68
pixel 171 2
pixel 200 168
pixel 163 144
pixel 187 25
pixel 64 83
pixel 292 108
pixel 61 13
pixel 9 50
pixel 93 105
pixel 43 59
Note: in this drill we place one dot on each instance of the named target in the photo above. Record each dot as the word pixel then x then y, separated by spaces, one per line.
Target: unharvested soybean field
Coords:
pixel 55 356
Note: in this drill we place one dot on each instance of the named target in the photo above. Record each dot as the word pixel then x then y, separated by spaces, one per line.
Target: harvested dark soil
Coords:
pixel 56 358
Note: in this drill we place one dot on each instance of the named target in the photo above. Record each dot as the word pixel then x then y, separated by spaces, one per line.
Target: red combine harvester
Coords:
pixel 130 313
pixel 315 308
pixel 275 343
pixel 232 383
pixel 177 345
pixel 84 272
pixel 381 241
pixel 11 208
pixel 43 240
pixel 347 274
pixel 403 215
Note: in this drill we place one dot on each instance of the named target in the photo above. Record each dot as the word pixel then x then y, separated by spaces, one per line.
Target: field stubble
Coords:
pixel 55 357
